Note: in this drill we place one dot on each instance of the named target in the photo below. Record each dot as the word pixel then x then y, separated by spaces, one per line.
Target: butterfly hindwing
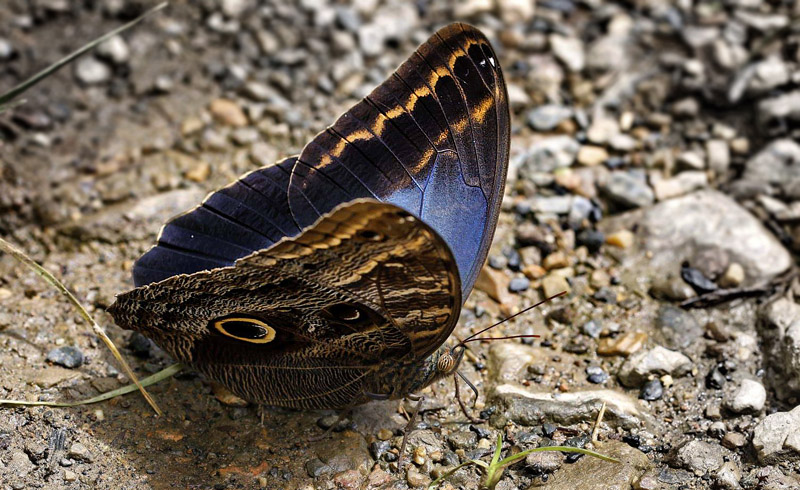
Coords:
pixel 432 139
pixel 307 322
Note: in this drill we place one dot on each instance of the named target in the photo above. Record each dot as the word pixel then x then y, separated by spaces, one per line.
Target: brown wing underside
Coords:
pixel 366 256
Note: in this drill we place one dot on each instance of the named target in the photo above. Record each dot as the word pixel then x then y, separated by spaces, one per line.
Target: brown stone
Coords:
pixel 556 260
pixel 624 345
pixel 554 284
pixel 199 173
pixel 228 112
pixel 495 284
pixel 224 396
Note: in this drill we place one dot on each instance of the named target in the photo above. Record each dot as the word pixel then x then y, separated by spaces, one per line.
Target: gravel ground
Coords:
pixel 655 175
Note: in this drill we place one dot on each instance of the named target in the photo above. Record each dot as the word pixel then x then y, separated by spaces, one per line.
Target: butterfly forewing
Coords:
pixel 432 139
pixel 307 322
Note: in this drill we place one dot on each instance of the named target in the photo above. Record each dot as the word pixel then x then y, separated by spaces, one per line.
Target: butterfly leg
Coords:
pixel 461 403
pixel 409 426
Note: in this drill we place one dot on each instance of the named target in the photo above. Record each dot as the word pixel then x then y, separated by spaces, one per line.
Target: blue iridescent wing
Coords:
pixel 433 139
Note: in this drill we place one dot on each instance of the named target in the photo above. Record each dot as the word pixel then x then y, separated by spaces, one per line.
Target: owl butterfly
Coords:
pixel 335 277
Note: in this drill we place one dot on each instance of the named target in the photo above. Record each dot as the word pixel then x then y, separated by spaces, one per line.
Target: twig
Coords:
pixel 597 423
pixel 30 82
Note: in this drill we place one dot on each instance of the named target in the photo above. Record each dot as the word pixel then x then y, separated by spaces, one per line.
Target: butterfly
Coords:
pixel 335 277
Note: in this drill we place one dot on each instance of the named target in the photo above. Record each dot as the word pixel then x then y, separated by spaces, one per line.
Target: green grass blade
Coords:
pixel 22 87
pixel 566 449
pixel 150 380
pixel 442 478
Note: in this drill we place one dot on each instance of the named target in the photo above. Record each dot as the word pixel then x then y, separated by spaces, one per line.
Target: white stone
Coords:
pixel 675 229
pixel 516 10
pixel 656 361
pixel 91 71
pixel 776 438
pixel 115 49
pixel 683 183
pixel 569 51
pixel 749 398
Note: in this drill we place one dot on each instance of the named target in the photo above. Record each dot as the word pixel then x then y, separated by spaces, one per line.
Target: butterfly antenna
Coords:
pixel 474 337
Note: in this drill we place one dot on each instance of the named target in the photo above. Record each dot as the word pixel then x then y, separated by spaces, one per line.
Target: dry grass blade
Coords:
pixel 7 97
pixel 98 330
pixel 150 380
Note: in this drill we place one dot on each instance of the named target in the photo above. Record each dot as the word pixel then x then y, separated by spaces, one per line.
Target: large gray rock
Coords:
pixel 628 190
pixel 780 108
pixel 596 474
pixel 777 437
pixel 527 407
pixel 700 457
pixel 777 164
pixel 656 361
pixel 677 229
pixel 779 328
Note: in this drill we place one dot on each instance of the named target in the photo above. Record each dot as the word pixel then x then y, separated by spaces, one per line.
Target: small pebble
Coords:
pixel 514 258
pixel 625 344
pixel 497 262
pixel 70 476
pixel 596 375
pixel 67 356
pixel 700 283
pixel 378 448
pixel 652 390
pixel 140 345
pixel 734 440
pixel 733 276
pixel 715 379
pixel 621 239
pixel 385 434
pixel 228 112
pixel 80 452
pixel 548 117
pixel 592 328
pixel 591 156
pixel 91 71
pixel 226 397
pixel 420 454
pixel 544 462
pixel 6 49
pixel 553 284
pixel 593 240
pixel 519 284
pixel 199 173
pixel 750 397
pixel 717 429
pixel 556 260
pixel 534 272
pixel 494 283
pixel 416 478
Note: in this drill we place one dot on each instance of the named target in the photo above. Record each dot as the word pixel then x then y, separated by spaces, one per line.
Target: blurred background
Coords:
pixel 655 175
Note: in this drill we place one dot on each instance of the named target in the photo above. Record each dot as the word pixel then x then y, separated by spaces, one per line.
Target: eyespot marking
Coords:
pixel 369 235
pixel 345 312
pixel 245 329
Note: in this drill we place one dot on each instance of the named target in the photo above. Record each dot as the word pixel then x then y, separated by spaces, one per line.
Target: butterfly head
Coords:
pixel 449 359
